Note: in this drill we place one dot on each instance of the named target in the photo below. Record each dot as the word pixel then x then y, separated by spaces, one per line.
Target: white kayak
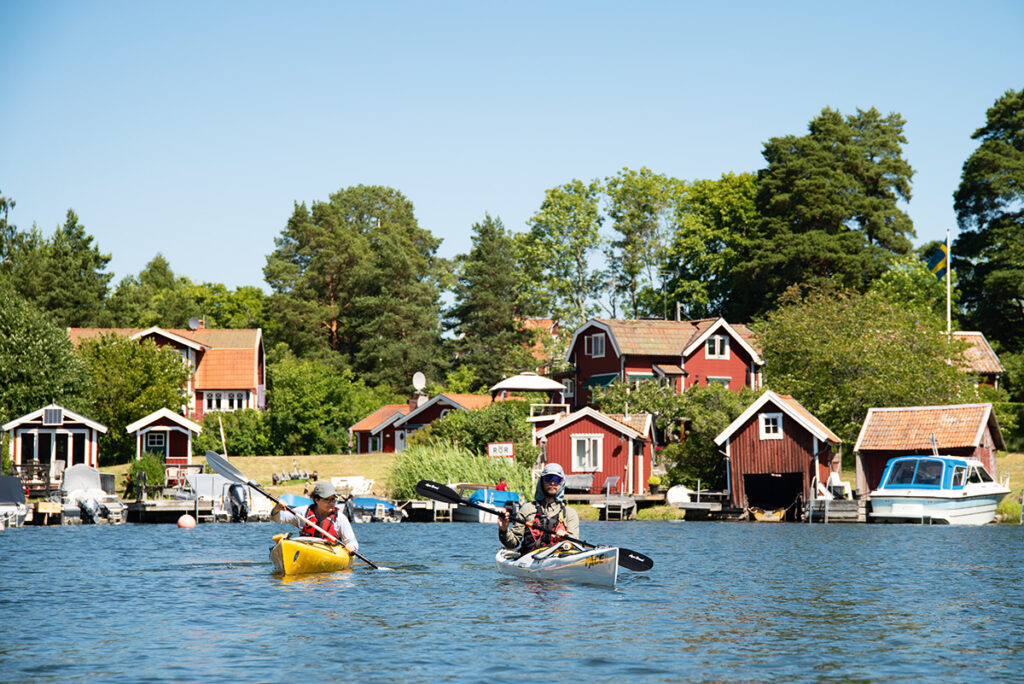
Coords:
pixel 565 562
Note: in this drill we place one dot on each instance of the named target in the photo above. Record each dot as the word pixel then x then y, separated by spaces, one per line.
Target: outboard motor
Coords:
pixel 236 500
pixel 90 511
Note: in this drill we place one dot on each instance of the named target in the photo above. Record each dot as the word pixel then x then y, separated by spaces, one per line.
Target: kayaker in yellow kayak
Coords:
pixel 323 513
pixel 548 519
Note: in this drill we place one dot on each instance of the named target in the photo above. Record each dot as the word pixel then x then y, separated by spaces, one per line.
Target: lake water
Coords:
pixel 724 602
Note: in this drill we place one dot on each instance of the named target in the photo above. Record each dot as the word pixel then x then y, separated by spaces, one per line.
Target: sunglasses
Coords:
pixel 552 479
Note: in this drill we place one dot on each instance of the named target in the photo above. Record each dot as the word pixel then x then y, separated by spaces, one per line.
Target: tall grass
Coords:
pixel 446 463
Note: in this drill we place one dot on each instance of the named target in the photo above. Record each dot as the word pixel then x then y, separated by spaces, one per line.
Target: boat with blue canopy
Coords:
pixel 937 489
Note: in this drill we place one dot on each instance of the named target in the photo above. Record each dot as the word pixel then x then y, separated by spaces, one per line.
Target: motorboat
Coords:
pixel 564 562
pixel 85 500
pixel 304 555
pixel 482 495
pixel 937 489
pixel 230 501
pixel 13 509
pixel 372 509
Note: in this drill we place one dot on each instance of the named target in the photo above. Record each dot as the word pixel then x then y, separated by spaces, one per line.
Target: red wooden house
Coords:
pixel 679 354
pixel 387 428
pixel 967 430
pixel 980 358
pixel 590 443
pixel 43 443
pixel 228 365
pixel 168 435
pixel 376 432
pixel 773 451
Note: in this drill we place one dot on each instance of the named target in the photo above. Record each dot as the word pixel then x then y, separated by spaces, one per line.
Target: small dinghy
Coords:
pixel 304 555
pixel 565 562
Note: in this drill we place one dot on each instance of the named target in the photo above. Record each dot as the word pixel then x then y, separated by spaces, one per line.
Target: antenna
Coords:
pixel 193 323
pixel 419 381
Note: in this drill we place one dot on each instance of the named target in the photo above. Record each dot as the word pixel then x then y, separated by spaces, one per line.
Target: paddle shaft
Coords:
pixel 631 560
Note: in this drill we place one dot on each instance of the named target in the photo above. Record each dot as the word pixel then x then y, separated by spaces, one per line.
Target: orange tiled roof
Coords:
pixel 229 361
pixel 980 356
pixel 912 427
pixel 379 416
pixel 665 338
pixel 798 408
pixel 470 401
pixel 637 422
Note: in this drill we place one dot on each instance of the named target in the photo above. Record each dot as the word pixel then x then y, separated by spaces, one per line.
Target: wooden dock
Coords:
pixel 169 510
pixel 836 511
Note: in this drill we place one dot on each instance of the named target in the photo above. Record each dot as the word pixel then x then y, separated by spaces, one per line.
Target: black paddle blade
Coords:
pixel 438 492
pixel 634 560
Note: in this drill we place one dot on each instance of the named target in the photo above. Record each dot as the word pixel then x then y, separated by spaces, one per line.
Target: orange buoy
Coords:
pixel 186 522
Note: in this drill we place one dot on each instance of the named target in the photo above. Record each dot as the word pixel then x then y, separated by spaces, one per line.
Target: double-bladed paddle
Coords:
pixel 631 560
pixel 225 468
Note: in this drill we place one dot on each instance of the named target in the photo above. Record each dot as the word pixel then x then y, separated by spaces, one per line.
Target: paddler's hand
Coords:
pixel 503 521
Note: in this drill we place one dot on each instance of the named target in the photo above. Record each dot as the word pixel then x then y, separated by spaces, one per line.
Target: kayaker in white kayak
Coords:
pixel 324 513
pixel 548 519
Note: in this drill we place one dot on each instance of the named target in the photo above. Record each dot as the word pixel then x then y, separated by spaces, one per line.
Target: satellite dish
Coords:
pixel 193 323
pixel 419 381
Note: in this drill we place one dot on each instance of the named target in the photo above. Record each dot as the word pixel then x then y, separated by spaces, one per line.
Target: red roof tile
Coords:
pixel 912 427
pixel 980 356
pixel 379 416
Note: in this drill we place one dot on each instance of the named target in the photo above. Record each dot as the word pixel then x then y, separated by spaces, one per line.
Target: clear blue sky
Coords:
pixel 191 128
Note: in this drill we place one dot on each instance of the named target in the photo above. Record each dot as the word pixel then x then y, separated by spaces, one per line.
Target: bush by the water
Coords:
pixel 450 463
pixel 502 421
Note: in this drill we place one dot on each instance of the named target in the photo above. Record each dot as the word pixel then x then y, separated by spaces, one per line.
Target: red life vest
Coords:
pixel 328 523
pixel 541 531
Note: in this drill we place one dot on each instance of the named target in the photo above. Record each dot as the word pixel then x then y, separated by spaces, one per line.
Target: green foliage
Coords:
pixel 37 362
pixel 710 225
pixel 356 275
pixel 128 380
pixel 62 276
pixel 502 421
pixel 488 312
pixel 646 396
pixel 156 297
pixel 246 432
pixel 638 206
pixel 829 206
pixel 697 459
pixel 154 467
pixel 443 463
pixel 557 252
pixel 312 405
pixel 841 353
pixel 908 282
pixel 989 251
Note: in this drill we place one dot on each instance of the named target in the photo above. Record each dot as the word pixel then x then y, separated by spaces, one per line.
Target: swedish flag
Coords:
pixel 939 261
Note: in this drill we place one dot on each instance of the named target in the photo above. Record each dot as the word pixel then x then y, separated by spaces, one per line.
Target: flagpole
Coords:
pixel 949 267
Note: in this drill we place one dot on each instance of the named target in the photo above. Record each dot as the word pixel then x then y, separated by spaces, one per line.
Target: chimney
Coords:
pixel 416 400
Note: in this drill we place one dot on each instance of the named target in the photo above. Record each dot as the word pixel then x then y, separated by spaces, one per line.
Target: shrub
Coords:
pixel 246 432
pixel 451 463
pixel 503 421
pixel 153 466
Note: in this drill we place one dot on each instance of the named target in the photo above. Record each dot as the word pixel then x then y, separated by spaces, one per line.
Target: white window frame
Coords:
pixel 717 347
pixel 593 345
pixel 594 459
pixel 570 387
pixel 720 380
pixel 160 443
pixel 770 425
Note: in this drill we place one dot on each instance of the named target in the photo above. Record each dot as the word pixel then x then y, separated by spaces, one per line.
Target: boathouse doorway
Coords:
pixel 772 491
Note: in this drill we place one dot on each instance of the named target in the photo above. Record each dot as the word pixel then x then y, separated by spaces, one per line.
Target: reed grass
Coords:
pixel 449 463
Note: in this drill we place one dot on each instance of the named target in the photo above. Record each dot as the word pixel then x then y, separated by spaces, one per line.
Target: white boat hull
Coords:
pixel 895 506
pixel 475 515
pixel 566 563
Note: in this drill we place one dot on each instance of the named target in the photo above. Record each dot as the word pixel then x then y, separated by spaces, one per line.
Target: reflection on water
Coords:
pixel 729 602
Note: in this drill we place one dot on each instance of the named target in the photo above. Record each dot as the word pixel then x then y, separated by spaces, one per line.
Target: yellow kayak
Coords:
pixel 302 555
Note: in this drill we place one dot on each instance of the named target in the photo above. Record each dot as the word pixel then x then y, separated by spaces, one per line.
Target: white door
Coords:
pixel 399 440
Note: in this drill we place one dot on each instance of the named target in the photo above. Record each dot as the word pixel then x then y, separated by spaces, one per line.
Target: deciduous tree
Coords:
pixel 128 380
